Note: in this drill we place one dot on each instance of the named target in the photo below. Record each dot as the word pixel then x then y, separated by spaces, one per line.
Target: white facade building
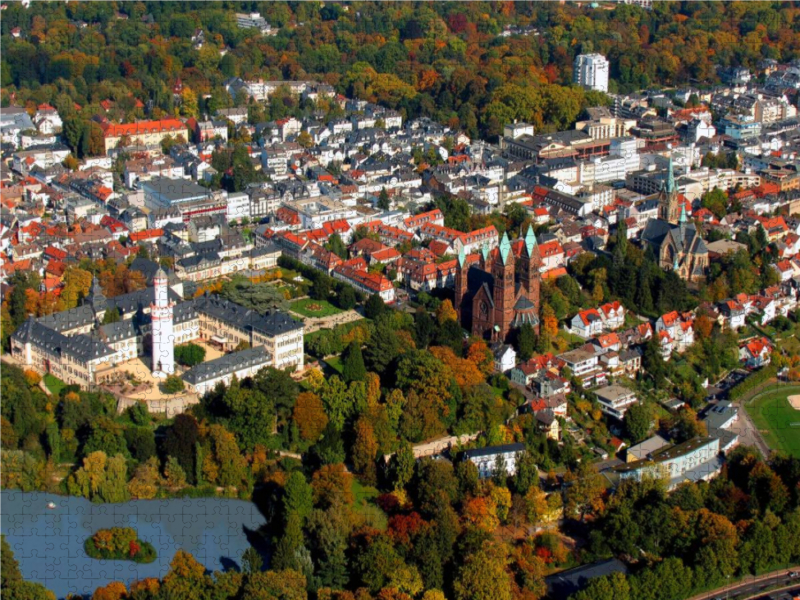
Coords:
pixel 238 206
pixel 487 459
pixel 591 71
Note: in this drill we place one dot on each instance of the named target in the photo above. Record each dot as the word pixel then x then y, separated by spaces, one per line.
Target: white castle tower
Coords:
pixel 163 339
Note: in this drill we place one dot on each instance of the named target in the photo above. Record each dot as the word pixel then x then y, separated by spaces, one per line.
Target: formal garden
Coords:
pixel 308 307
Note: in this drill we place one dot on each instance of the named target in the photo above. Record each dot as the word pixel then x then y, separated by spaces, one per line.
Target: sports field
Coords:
pixel 777 421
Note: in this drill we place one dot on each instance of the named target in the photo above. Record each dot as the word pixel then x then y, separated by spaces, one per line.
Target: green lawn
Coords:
pixel 321 308
pixel 54 384
pixel 335 363
pixel 778 422
pixel 364 497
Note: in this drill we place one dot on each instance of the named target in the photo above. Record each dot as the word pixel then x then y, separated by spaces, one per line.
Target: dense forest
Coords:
pixel 443 60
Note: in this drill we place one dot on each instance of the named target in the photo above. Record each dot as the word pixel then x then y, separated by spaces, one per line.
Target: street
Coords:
pixel 752 586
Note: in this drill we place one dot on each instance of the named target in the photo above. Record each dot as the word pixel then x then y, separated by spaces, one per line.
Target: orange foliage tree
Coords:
pixel 310 417
pixel 331 485
pixel 464 371
pixel 481 356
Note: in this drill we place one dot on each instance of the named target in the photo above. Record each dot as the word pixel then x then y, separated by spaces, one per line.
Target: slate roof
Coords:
pixel 82 347
pixel 492 450
pixel 276 322
pixel 116 332
pixel 69 319
pixel 227 364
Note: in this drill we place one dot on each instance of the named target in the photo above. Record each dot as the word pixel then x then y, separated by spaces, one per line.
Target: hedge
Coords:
pixel 752 382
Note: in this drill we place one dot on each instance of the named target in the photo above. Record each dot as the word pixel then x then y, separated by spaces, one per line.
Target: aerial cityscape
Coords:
pixel 384 300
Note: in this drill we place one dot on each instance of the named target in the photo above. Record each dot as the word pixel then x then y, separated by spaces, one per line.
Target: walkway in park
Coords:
pixel 313 324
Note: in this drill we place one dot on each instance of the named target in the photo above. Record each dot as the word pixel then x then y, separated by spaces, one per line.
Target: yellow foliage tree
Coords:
pixel 115 590
pixel 32 378
pixel 76 285
pixel 501 498
pixel 464 371
pixel 446 312
pixel 481 513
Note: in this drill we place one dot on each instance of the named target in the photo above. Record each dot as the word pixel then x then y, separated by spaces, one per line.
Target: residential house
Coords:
pixel 505 357
pixel 587 323
pixel 613 315
pixel 615 400
pixel 524 372
pixel 732 313
pixel 584 365
pixel 547 384
pixel 756 353
pixel 680 327
pixel 547 423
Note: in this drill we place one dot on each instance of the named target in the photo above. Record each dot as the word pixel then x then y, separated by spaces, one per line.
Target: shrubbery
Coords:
pixel 753 381
pixel 172 385
pixel 190 355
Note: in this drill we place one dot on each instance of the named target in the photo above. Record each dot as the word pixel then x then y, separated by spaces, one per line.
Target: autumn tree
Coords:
pixel 331 486
pixel 480 355
pixel 365 450
pixel 481 512
pixel 585 491
pixel 77 283
pixel 309 416
pixel 223 463
pixel 483 576
pixel 186 577
pixel 464 371
pixel 446 312
pixel 535 504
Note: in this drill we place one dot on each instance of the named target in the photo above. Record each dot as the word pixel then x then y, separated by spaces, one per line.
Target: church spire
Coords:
pixel 670 186
pixel 505 248
pixel 462 257
pixel 530 240
pixel 95 298
pixel 668 209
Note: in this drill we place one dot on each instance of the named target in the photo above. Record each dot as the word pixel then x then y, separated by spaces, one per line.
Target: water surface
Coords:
pixel 48 543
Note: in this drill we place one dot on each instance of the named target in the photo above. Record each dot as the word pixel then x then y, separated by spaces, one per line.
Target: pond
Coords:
pixel 48 543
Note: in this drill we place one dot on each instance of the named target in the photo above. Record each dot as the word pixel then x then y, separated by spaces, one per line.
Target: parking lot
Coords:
pixel 719 390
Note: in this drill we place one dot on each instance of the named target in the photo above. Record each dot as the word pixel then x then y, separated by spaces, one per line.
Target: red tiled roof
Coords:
pixel 554 273
pixel 438 248
pixel 147 234
pixel 160 126
pixel 552 248
pixel 54 253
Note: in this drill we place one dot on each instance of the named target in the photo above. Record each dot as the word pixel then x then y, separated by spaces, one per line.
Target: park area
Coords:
pixel 309 307
pixel 777 419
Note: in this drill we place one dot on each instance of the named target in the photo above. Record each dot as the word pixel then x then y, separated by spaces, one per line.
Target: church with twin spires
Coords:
pixel 498 290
